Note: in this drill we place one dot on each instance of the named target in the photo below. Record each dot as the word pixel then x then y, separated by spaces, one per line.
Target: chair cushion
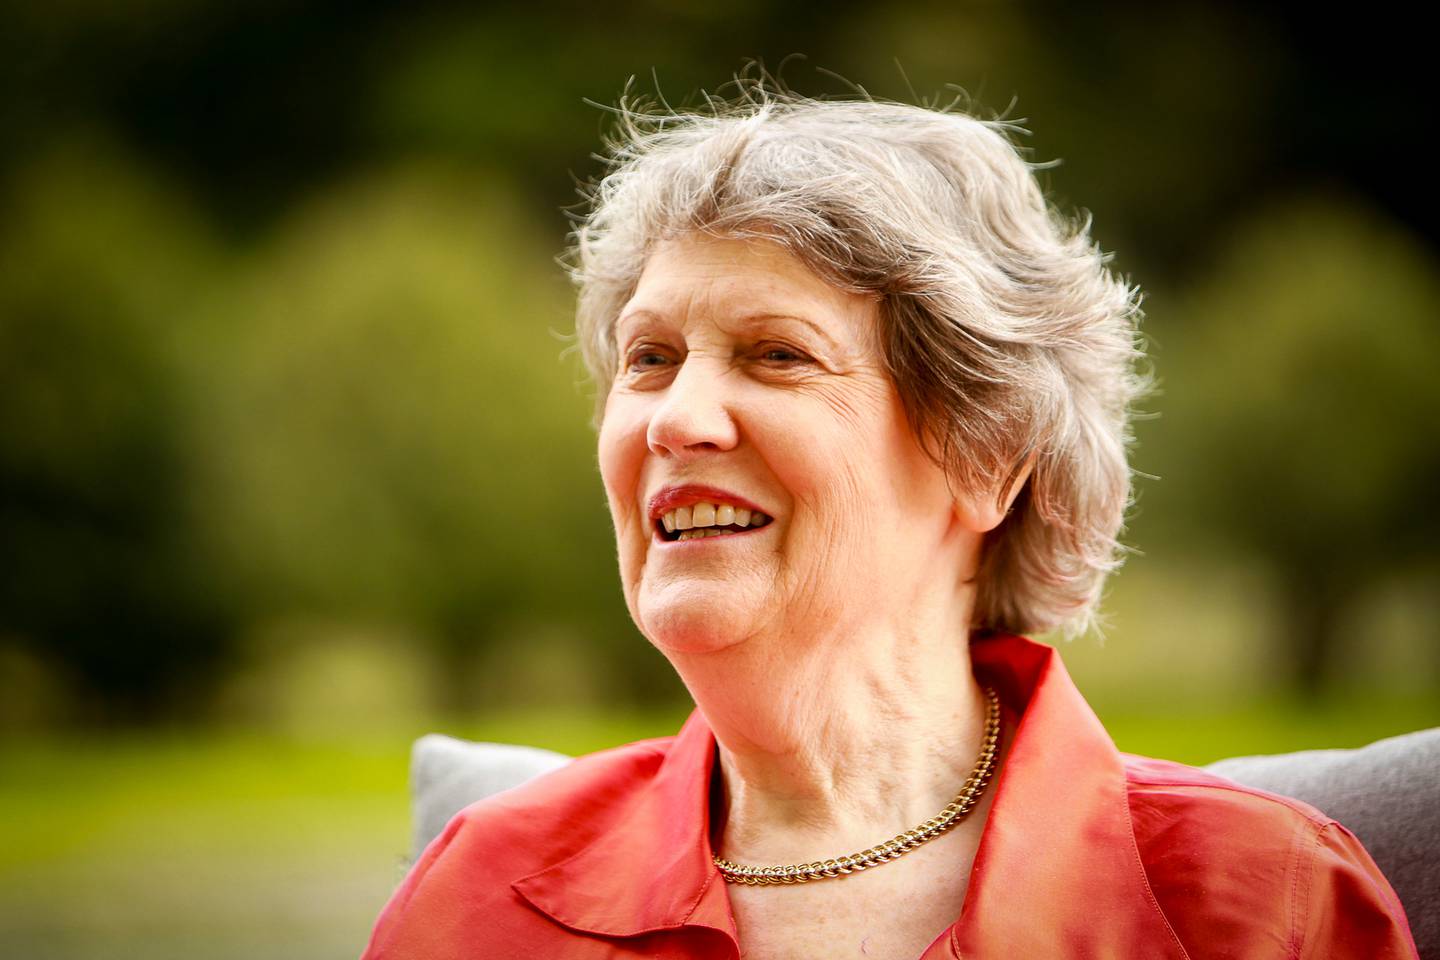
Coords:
pixel 447 775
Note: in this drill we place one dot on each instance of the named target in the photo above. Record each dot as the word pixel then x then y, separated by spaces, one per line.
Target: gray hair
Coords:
pixel 1001 326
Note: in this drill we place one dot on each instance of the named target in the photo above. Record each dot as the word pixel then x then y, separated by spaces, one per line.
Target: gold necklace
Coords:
pixel 956 811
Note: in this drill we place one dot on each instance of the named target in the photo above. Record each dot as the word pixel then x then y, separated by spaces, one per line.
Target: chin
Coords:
pixel 689 628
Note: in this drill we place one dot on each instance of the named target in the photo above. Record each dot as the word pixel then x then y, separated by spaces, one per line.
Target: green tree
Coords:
pixel 100 267
pixel 1301 411
pixel 394 436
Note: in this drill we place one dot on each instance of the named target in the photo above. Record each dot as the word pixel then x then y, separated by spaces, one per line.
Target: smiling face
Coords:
pixel 747 383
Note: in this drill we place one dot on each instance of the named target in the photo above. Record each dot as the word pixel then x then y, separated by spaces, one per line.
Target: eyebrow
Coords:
pixel 819 331
pixel 748 320
pixel 633 316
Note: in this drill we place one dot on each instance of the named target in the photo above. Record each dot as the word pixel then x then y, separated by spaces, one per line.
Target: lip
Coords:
pixel 710 542
pixel 669 498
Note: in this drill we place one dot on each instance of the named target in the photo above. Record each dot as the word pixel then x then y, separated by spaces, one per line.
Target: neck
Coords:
pixel 835 742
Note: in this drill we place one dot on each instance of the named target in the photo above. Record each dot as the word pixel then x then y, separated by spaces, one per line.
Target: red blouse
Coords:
pixel 1087 852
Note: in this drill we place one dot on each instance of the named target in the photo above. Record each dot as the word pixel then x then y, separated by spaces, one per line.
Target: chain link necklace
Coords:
pixel 956 811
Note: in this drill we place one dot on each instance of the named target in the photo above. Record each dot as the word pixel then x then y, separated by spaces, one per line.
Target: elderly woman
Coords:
pixel 863 423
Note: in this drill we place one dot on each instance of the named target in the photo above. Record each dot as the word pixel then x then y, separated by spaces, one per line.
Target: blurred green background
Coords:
pixel 294 455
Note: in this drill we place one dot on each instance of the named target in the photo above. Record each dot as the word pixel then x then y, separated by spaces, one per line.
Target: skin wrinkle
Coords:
pixel 853 783
pixel 746 320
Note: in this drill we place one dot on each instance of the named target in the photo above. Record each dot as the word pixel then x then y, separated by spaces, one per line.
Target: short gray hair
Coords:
pixel 1004 331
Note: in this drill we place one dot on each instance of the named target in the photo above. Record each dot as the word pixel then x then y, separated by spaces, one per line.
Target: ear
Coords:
pixel 984 511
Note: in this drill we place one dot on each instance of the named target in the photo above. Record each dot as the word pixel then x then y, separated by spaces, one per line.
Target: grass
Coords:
pixel 221 845
pixel 1196 736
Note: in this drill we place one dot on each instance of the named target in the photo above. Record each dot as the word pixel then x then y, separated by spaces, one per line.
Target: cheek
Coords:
pixel 830 454
pixel 621 456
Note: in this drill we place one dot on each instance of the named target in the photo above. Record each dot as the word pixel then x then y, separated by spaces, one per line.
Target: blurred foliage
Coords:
pixel 390 432
pixel 1301 423
pixel 287 403
pixel 100 272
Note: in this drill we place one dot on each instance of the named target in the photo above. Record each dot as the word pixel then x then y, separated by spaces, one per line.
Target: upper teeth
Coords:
pixel 711 515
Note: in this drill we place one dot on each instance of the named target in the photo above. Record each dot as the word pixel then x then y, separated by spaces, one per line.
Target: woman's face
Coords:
pixel 747 383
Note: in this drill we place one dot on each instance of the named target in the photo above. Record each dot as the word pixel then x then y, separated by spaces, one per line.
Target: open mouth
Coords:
pixel 703 520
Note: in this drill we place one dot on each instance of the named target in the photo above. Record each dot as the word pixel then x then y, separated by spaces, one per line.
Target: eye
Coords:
pixel 645 357
pixel 782 355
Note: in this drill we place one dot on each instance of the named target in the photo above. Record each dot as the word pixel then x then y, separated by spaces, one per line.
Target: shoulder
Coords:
pixel 1169 795
pixel 1193 828
pixel 461 884
pixel 582 795
pixel 1234 864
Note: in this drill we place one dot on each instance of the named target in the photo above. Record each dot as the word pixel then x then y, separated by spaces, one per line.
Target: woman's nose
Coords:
pixel 694 416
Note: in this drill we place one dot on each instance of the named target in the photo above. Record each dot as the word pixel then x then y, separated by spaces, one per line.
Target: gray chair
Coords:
pixel 447 775
pixel 1387 794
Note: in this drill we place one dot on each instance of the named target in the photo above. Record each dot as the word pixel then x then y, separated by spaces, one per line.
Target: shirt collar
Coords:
pixel 1057 862
pixel 652 869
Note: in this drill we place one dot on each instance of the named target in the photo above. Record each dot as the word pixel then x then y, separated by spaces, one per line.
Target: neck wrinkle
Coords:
pixel 836 751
